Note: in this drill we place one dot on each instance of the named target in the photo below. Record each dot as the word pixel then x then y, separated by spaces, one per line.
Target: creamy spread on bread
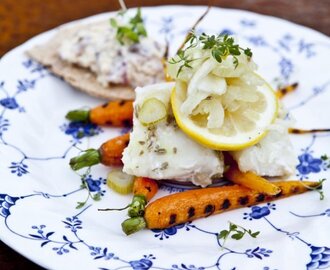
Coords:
pixel 96 47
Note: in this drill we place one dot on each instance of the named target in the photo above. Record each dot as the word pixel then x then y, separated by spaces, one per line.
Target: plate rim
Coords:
pixel 7 241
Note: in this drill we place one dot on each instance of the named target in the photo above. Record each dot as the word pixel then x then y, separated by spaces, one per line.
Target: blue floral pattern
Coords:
pixel 4 124
pixel 9 103
pixel 258 253
pixel 308 164
pixel 79 130
pixel 326 213
pixel 166 233
pixel 320 258
pixel 142 264
pixel 258 212
pixel 6 202
pixel 18 168
pixel 72 231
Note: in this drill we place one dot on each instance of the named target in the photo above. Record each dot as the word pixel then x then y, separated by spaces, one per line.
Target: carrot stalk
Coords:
pixel 113 113
pixel 133 225
pixel 78 115
pixel 89 158
pixel 137 206
pixel 251 180
pixel 189 205
pixel 110 154
pixel 144 190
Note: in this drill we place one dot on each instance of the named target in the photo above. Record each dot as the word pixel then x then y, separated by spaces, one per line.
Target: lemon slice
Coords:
pixel 244 120
pixel 152 111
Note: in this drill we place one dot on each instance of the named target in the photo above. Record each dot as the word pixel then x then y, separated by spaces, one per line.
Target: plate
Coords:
pixel 39 192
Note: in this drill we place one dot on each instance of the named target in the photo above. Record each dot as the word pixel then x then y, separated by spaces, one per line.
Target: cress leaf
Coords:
pixel 248 52
pixel 217 55
pixel 220 47
pixel 223 234
pixel 232 226
pixel 255 234
pixel 97 197
pixel 80 205
pixel 235 232
pixel 235 61
pixel 238 235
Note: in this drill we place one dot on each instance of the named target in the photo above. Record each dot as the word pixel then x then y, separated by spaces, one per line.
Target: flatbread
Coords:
pixel 80 78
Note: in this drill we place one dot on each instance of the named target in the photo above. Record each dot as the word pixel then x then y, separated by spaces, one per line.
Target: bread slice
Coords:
pixel 80 78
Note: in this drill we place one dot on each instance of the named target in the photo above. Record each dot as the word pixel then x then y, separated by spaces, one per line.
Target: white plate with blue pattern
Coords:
pixel 39 192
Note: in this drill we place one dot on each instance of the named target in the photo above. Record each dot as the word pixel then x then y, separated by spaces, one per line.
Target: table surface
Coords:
pixel 21 20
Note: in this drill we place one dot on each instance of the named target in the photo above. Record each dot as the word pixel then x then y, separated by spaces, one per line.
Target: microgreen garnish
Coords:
pixel 221 46
pixel 324 157
pixel 320 191
pixel 318 188
pixel 132 31
pixel 182 58
pixel 84 185
pixel 236 232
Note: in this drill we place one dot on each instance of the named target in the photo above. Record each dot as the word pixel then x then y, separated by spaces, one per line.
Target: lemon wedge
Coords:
pixel 231 122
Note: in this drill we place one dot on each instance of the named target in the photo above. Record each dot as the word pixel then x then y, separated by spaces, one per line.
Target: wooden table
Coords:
pixel 22 19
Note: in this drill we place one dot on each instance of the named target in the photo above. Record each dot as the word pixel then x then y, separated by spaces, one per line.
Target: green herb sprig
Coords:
pixel 221 46
pixel 132 31
pixel 182 58
pixel 84 185
pixel 318 188
pixel 236 232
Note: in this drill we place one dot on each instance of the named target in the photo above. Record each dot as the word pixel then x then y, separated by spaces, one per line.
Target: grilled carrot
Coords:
pixel 146 187
pixel 110 154
pixel 283 92
pixel 251 180
pixel 286 90
pixel 192 204
pixel 305 131
pixel 112 113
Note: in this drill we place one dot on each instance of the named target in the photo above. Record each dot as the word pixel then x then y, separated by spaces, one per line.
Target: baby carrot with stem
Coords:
pixel 144 189
pixel 197 203
pixel 113 113
pixel 110 154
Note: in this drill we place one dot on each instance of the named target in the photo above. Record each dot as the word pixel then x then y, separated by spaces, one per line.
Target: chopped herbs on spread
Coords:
pixel 132 31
